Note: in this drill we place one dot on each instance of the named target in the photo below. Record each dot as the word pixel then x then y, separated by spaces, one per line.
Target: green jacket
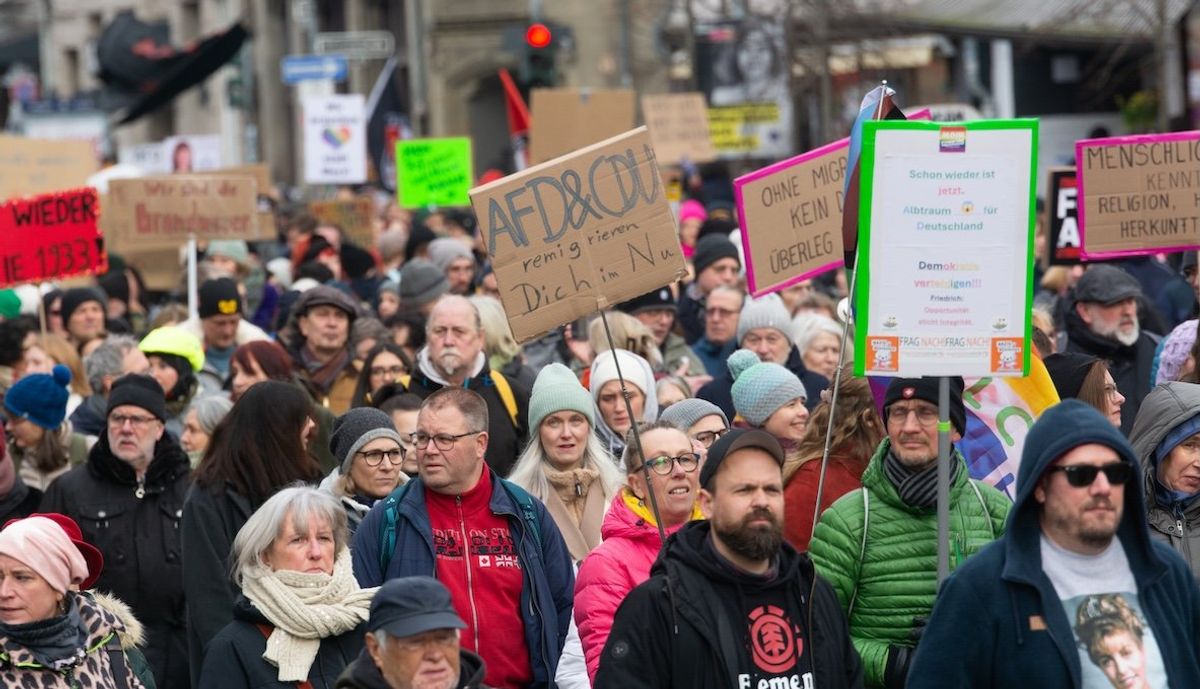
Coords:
pixel 893 581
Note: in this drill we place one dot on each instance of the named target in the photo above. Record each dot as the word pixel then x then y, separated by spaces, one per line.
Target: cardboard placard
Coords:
pixel 1139 195
pixel 579 233
pixel 433 172
pixel 37 166
pixel 1062 217
pixel 51 236
pixel 678 125
pixel 565 120
pixel 261 173
pixel 160 212
pixel 355 217
pixel 335 140
pixel 792 218
pixel 946 221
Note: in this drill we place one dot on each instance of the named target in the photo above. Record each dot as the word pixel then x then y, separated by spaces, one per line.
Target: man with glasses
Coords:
pixel 729 604
pixel 494 546
pixel 128 499
pixel 1077 592
pixel 878 545
pixel 721 312
pixel 702 421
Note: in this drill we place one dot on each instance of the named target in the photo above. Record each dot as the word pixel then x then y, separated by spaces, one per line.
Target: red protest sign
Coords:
pixel 51 236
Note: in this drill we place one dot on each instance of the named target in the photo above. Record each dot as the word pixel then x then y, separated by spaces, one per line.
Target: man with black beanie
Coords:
pixel 127 499
pixel 715 262
pixel 221 327
pixel 878 545
pixel 729 603
pixel 83 311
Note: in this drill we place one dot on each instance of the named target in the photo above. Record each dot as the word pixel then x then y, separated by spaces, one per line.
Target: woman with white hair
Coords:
pixel 819 339
pixel 614 420
pixel 301 616
pixel 201 418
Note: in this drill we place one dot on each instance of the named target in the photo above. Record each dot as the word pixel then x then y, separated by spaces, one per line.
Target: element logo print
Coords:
pixel 773 640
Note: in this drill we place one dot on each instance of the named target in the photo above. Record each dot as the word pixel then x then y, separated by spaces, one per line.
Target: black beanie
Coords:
pixel 926 390
pixel 711 249
pixel 219 297
pixel 721 227
pixel 78 296
pixel 116 286
pixel 139 391
pixel 1067 370
pixel 418 237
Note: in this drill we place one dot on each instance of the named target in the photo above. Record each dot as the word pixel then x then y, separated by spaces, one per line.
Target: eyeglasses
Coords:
pixel 397 370
pixel 1082 475
pixel 663 466
pixel 707 438
pixel 926 416
pixel 374 458
pixel 444 441
pixel 118 420
pixel 412 644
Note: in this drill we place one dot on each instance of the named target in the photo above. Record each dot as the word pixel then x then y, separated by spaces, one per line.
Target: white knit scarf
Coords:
pixel 305 608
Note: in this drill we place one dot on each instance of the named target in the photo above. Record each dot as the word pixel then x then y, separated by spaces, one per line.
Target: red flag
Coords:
pixel 518 120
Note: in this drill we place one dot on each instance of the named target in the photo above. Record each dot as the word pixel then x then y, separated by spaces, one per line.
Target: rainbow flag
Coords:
pixel 1000 412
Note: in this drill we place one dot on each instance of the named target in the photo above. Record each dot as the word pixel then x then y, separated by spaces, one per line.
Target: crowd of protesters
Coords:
pixel 341 470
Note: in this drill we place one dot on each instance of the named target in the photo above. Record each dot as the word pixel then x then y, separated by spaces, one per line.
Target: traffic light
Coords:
pixel 538 36
pixel 538 68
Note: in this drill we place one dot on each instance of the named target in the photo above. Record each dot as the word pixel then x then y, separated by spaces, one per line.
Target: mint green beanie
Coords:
pixel 761 388
pixel 558 389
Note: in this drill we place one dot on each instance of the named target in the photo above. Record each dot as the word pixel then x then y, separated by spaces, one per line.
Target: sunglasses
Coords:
pixel 1082 475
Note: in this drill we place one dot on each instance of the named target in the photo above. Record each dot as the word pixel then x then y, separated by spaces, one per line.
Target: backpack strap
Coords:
pixel 862 548
pixel 506 394
pixel 266 630
pixel 987 515
pixel 116 661
pixel 387 535
pixel 524 503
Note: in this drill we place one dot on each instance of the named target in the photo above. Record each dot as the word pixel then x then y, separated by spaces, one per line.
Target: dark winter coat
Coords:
pixel 671 631
pixel 549 575
pixel 1129 366
pixel 140 539
pixel 363 674
pixel 234 659
pixel 210 521
pixel 505 442
pixel 90 417
pixel 719 390
pixel 998 621
pixel 22 506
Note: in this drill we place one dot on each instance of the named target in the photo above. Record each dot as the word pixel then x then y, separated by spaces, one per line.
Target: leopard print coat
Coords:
pixel 106 619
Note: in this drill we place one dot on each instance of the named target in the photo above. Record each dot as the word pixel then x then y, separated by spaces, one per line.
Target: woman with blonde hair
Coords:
pixel 857 432
pixel 503 352
pixel 42 352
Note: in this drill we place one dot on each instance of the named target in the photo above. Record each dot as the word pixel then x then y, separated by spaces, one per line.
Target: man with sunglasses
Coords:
pixel 878 545
pixel 494 546
pixel 1023 612
pixel 728 603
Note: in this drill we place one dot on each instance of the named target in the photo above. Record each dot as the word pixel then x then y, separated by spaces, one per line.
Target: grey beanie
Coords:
pixel 761 388
pixel 685 413
pixel 356 428
pixel 444 250
pixel 421 282
pixel 558 389
pixel 767 312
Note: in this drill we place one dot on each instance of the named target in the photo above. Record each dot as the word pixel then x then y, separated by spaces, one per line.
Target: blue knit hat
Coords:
pixel 558 389
pixel 40 397
pixel 761 388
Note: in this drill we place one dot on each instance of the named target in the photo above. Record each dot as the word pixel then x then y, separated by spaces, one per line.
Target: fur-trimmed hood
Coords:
pixel 130 631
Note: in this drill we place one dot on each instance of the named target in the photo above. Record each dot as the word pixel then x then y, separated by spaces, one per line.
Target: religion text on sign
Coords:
pixel 50 237
pixel 163 211
pixel 579 233
pixel 1139 195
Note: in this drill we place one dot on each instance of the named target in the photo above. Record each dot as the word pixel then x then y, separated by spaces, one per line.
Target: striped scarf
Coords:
pixel 917 488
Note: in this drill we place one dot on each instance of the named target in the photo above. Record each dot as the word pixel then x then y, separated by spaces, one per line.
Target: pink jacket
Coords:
pixel 612 570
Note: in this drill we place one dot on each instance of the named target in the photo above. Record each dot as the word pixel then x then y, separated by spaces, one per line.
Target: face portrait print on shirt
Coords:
pixel 1116 647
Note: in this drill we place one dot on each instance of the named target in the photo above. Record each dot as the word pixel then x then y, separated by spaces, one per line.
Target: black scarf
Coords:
pixel 916 488
pixel 10 502
pixel 56 643
pixel 169 463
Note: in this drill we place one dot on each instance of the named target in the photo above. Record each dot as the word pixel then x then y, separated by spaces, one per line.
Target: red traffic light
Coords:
pixel 538 36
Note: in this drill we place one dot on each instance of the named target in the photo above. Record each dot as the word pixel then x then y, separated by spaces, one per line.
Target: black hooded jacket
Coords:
pixel 140 539
pixel 671 631
pixel 363 674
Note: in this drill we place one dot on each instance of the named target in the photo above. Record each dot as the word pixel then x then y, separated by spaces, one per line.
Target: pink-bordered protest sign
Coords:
pixel 1138 195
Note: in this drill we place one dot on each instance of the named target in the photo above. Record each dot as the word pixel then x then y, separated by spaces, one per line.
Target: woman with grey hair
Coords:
pixel 301 616
pixel 201 417
pixel 819 339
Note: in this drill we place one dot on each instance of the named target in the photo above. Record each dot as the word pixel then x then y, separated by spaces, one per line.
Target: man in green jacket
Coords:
pixel 878 545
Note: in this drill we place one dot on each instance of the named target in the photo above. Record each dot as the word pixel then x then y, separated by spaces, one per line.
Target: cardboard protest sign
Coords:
pixel 433 172
pixel 678 124
pixel 1139 195
pixel 568 119
pixel 792 218
pixel 355 217
pixel 161 212
pixel 37 166
pixel 1062 217
pixel 579 233
pixel 261 173
pixel 946 248
pixel 51 236
pixel 335 140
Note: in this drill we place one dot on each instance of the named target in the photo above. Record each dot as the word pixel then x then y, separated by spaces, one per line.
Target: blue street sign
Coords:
pixel 298 68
